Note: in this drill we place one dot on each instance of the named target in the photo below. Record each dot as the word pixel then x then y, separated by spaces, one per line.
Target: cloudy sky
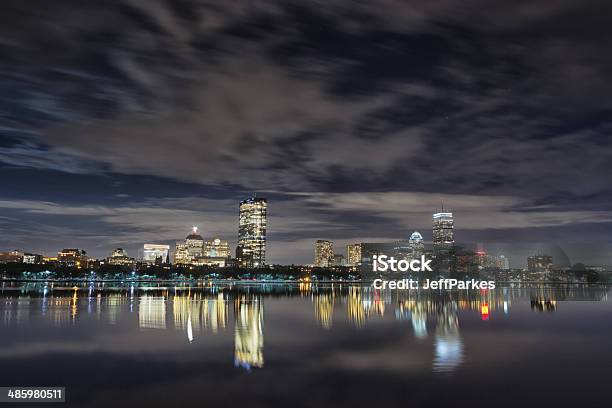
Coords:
pixel 124 122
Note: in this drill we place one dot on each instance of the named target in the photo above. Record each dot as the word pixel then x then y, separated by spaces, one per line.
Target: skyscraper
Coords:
pixel 188 250
pixel 155 253
pixel 416 245
pixel 324 253
pixel 252 232
pixel 443 233
pixel 353 254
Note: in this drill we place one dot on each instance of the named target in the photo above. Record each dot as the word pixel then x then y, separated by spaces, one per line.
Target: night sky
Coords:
pixel 125 122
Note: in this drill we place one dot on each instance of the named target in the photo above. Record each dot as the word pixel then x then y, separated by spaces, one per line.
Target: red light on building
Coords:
pixel 484 311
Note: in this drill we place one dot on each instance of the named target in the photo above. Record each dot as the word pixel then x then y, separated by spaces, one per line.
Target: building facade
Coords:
pixel 72 257
pixel 252 226
pixel 443 233
pixel 324 253
pixel 155 254
pixel 540 263
pixel 11 256
pixel 416 245
pixel 190 249
pixel 120 257
pixel 216 248
pixel 353 254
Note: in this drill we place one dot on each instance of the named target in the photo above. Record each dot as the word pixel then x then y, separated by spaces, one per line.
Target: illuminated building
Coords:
pixel 32 258
pixel 417 247
pixel 120 257
pixel 194 244
pixel 216 253
pixel 188 250
pixel 181 255
pixel 210 261
pixel 252 226
pixel 402 249
pixel 11 256
pixel 540 263
pixel 216 248
pixel 482 259
pixel 155 254
pixel 502 262
pixel 353 254
pixel 248 334
pixel 72 257
pixel 324 253
pixel 443 233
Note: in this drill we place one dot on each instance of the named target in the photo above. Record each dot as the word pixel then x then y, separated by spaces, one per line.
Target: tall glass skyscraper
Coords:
pixel 443 233
pixel 252 232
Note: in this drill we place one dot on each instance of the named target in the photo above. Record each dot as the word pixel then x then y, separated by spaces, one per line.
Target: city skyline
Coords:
pixel 196 250
pixel 133 132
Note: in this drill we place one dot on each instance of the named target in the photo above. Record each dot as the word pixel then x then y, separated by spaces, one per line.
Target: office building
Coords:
pixel 402 249
pixel 353 254
pixel 155 254
pixel 443 233
pixel 502 262
pixel 11 256
pixel 216 248
pixel 338 260
pixel 540 263
pixel 72 257
pixel 416 245
pixel 188 250
pixel 120 257
pixel 252 224
pixel 324 253
pixel 32 258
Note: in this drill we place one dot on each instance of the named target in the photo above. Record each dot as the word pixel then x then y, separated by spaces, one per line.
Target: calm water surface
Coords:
pixel 307 345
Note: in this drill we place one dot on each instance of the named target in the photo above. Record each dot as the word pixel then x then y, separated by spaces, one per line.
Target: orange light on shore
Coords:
pixel 484 311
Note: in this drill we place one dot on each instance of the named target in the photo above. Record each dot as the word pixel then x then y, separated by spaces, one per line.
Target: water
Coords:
pixel 307 345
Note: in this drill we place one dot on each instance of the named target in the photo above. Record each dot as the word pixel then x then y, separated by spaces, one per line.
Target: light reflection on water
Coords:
pixel 238 313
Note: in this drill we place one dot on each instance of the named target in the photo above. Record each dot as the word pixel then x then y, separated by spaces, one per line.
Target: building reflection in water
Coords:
pixel 114 306
pixel 543 305
pixel 448 346
pixel 355 307
pixel 248 335
pixel 152 312
pixel 324 309
pixel 195 309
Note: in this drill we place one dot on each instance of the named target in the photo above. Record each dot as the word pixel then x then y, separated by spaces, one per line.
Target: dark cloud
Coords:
pixel 505 105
